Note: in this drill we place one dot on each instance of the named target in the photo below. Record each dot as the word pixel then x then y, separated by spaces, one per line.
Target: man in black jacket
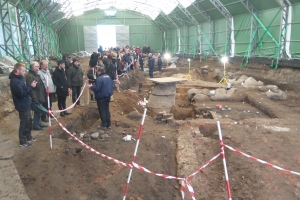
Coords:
pixel 75 80
pixel 62 90
pixel 103 89
pixel 92 75
pixel 20 93
pixel 38 95
pixel 151 65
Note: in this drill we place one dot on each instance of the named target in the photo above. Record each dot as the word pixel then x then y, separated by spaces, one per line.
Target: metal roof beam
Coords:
pixel 200 10
pixel 223 10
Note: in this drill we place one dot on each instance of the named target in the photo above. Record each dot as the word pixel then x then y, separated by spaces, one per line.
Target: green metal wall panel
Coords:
pixel 242 34
pixel 142 30
pixel 220 40
pixel 295 37
pixel 204 43
pixel 192 40
pixel 268 47
pixel 174 41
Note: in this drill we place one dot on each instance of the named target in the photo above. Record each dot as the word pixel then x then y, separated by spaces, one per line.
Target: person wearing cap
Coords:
pixel 75 80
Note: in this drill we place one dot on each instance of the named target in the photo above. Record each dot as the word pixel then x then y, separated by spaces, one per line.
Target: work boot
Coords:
pixel 62 114
pixel 66 113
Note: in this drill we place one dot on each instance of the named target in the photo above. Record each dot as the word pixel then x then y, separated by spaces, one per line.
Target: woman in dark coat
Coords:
pixel 62 90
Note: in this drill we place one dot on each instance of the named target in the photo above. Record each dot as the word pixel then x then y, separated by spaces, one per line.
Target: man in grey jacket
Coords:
pixel 75 80
pixel 46 77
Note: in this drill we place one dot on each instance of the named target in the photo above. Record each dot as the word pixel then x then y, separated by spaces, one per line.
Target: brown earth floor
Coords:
pixel 69 171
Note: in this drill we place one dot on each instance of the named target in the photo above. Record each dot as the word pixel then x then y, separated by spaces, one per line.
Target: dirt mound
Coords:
pixel 182 113
pixel 132 79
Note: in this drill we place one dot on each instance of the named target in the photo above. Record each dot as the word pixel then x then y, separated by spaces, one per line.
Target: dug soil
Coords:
pixel 263 128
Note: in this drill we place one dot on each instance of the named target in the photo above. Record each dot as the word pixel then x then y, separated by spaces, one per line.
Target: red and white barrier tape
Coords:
pixel 262 161
pixel 90 148
pixel 201 168
pixel 142 102
pixel 56 111
pixel 166 176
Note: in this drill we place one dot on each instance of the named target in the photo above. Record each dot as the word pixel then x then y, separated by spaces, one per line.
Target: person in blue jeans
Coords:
pixel 75 80
pixel 103 89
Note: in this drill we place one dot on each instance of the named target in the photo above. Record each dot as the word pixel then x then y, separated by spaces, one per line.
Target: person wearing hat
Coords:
pixel 75 80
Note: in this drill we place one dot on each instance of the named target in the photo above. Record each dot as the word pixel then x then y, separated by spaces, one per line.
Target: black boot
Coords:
pixel 62 114
pixel 66 113
pixel 92 97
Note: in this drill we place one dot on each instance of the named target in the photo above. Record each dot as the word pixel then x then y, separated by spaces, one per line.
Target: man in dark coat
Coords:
pixel 103 89
pixel 127 59
pixel 159 63
pixel 62 90
pixel 141 59
pixel 38 95
pixel 75 80
pixel 92 75
pixel 20 94
pixel 151 65
pixel 67 63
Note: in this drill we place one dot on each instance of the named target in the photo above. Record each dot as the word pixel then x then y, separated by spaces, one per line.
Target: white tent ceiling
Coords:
pixel 152 8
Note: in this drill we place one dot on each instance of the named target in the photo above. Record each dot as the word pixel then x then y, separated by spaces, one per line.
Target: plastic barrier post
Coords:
pixel 135 151
pixel 224 161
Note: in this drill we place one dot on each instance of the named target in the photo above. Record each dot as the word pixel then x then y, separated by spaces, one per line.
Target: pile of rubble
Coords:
pixel 7 64
pixel 233 87
pixel 80 54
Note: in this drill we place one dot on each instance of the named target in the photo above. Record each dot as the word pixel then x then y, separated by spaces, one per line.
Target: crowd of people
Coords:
pixel 119 60
pixel 31 92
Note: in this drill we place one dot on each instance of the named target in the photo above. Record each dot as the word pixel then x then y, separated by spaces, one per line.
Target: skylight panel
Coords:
pixel 186 3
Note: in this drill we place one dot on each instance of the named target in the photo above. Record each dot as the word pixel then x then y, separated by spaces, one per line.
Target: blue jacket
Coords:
pixel 103 87
pixel 151 63
pixel 20 92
